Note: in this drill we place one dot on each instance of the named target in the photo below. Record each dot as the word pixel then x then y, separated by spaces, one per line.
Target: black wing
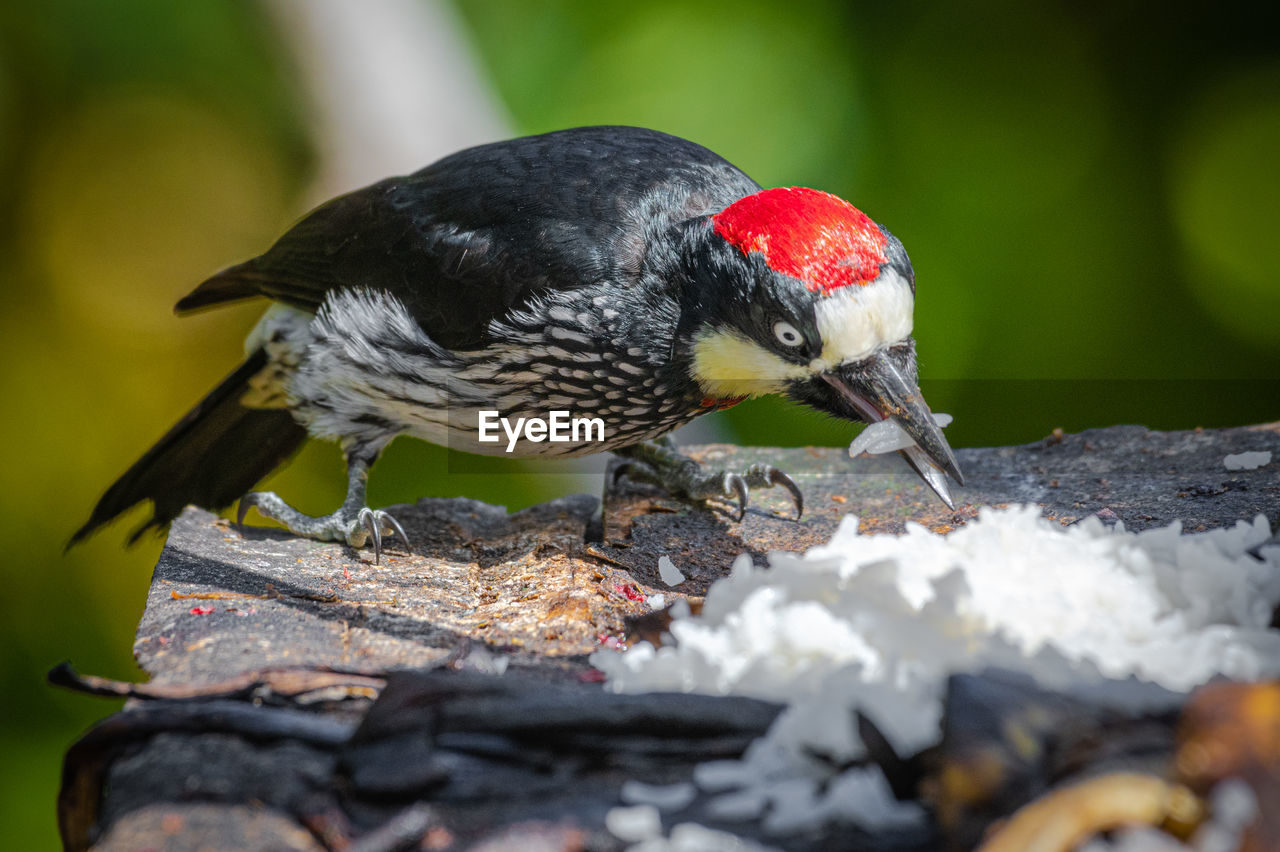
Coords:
pixel 472 236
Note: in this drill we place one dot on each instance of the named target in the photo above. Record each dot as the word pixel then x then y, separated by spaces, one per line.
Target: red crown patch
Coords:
pixel 808 234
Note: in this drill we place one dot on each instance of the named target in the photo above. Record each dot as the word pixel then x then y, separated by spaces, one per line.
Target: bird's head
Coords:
pixel 796 291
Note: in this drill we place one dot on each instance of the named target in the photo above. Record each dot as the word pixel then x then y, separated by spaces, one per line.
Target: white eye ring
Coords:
pixel 787 334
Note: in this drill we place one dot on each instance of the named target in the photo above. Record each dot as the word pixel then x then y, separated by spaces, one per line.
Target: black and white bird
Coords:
pixel 624 275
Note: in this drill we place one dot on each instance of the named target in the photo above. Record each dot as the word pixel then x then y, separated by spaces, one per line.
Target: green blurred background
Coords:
pixel 1089 192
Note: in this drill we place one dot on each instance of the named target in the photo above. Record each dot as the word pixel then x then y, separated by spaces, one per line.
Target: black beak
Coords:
pixel 877 388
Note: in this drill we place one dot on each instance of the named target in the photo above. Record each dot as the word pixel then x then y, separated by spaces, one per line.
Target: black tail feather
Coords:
pixel 230 285
pixel 211 457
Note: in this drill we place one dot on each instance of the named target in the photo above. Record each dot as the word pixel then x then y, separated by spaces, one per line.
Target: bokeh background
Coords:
pixel 1089 192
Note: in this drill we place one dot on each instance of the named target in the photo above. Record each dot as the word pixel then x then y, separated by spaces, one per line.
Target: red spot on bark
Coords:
pixel 631 593
pixel 814 236
pixel 613 643
pixel 201 610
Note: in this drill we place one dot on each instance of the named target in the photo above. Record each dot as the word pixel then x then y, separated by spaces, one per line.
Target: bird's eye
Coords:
pixel 787 334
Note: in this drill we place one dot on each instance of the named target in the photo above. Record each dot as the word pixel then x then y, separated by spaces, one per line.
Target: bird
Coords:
pixel 631 277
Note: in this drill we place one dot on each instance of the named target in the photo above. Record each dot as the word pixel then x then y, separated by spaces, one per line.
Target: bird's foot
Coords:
pixel 351 525
pixel 684 477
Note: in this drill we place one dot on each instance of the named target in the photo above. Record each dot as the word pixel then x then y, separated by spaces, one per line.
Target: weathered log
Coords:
pixel 265 652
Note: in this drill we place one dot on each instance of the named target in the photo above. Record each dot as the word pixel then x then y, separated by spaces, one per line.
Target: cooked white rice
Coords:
pixel 1247 461
pixel 886 436
pixel 878 622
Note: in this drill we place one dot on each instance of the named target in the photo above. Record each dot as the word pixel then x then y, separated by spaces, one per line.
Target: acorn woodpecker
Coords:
pixel 634 279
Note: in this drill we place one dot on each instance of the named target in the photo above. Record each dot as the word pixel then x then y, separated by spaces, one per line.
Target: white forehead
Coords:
pixel 855 321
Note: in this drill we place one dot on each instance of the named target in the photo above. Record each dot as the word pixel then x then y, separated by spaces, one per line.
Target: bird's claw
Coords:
pixel 778 477
pixel 269 505
pixel 685 477
pixel 242 509
pixel 763 476
pixel 371 521
pixel 735 484
pixel 340 526
pixel 370 525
